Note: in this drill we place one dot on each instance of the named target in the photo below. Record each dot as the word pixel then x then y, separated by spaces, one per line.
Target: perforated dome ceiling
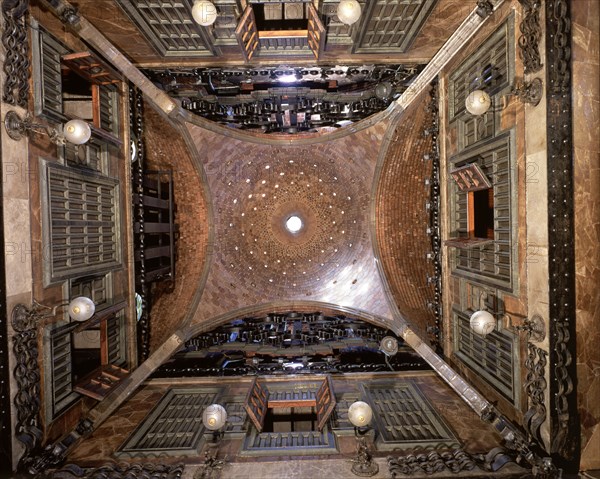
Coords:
pixel 256 188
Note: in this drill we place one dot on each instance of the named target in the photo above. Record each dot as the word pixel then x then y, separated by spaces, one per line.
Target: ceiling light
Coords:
pixel 348 11
pixel 204 12
pixel 478 102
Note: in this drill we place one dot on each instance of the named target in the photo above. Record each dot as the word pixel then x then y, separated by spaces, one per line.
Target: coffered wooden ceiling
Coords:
pixel 164 34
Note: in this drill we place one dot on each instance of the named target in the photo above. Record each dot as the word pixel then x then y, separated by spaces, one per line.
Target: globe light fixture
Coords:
pixel 360 414
pixel 77 132
pixel 389 346
pixel 348 11
pixel 204 12
pixel 478 102
pixel 214 417
pixel 81 308
pixel 482 322
pixel 383 90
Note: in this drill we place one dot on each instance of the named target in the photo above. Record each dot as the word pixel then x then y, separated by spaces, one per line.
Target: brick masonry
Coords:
pixel 402 218
pixel 166 149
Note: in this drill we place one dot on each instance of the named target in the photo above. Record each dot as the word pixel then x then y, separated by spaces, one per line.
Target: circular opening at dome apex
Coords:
pixel 293 224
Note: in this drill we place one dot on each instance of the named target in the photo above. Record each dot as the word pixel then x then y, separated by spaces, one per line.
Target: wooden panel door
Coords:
pixel 256 404
pixel 247 33
pixel 325 402
pixel 316 31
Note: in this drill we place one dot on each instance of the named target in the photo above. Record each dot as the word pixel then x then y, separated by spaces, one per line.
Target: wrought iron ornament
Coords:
pixel 454 461
pixel 136 113
pixel 119 471
pixel 530 92
pixel 484 8
pixel 564 421
pixel 531 34
pixel 364 465
pixel 27 377
pixel 16 47
pixel 432 131
pixel 535 387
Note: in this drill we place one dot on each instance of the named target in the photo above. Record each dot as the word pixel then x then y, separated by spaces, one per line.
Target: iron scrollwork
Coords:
pixel 454 461
pixel 137 121
pixel 531 35
pixel 119 471
pixel 484 8
pixel 27 377
pixel 16 47
pixel 432 131
pixel 535 386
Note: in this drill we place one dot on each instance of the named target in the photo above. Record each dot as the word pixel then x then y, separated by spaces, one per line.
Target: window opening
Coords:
pixel 481 214
pixel 292 419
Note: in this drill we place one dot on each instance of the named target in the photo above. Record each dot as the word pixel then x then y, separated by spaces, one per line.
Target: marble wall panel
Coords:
pixel 586 131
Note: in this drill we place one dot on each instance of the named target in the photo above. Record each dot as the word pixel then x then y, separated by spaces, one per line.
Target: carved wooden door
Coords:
pixel 325 399
pixel 257 403
pixel 247 33
pixel 316 31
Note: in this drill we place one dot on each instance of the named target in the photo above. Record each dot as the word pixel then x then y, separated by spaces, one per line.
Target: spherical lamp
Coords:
pixel 389 346
pixel 478 102
pixel 360 414
pixel 482 322
pixel 81 308
pixel 204 12
pixel 383 90
pixel 214 417
pixel 348 11
pixel 77 132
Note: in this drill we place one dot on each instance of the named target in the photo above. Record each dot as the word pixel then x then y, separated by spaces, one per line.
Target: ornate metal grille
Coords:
pixel 391 25
pixel 115 340
pixel 490 68
pixel 491 262
pixel 61 373
pixel 97 288
pixel 47 75
pixel 404 417
pixel 174 426
pixel 82 233
pixel 109 108
pixel 493 357
pixel 169 27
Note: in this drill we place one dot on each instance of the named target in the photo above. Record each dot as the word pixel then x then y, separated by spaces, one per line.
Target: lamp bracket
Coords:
pixel 17 127
pixel 24 318
pixel 364 465
pixel 530 92
pixel 535 327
